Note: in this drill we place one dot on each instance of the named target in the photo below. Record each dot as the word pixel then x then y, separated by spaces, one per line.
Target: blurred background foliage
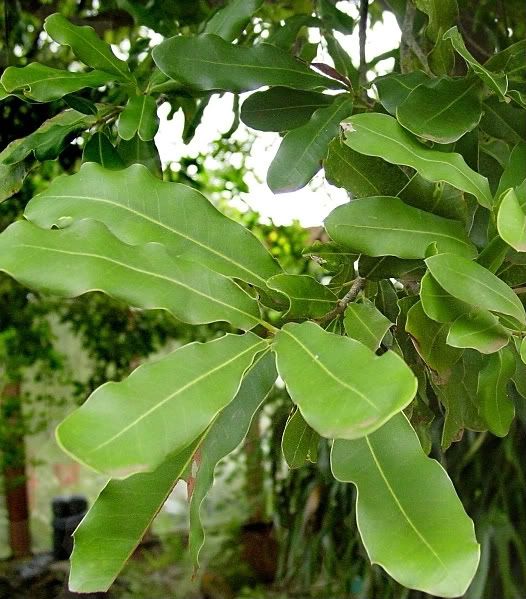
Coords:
pixel 303 518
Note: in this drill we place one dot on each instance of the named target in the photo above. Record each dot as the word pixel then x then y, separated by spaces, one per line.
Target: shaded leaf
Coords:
pixel 139 117
pixel 299 443
pixel 100 150
pixel 393 511
pixel 514 170
pixel 336 399
pixel 307 297
pixel 394 88
pixel 137 151
pixel 230 20
pixel 437 303
pixel 112 431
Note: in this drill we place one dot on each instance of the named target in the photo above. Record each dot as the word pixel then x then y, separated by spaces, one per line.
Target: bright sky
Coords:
pixel 309 205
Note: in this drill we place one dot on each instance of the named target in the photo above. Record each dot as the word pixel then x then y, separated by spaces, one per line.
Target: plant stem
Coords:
pixel 362 70
pixel 357 285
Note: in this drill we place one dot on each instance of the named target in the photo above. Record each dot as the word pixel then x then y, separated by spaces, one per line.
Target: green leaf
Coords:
pixel 302 150
pixel 514 170
pixel 138 208
pixel 12 175
pixel 307 297
pixel 44 84
pixel 336 400
pixel 226 432
pixel 503 121
pixel 80 104
pixel 480 330
pixel 281 108
pixel 496 407
pixel 366 324
pixel 139 118
pixel 511 221
pixel 299 443
pixel 112 431
pixel 87 46
pixel 285 36
pixel 497 82
pixel 118 520
pixel 380 135
pixel 403 500
pixel 208 62
pixel 100 150
pixel 379 226
pixel 387 300
pixel 442 15
pixel 79 258
pixel 334 18
pixel 442 110
pixel 48 141
pixel 362 175
pixel 429 338
pixel 475 285
pixel 137 151
pixel 385 267
pixel 329 255
pixel 523 350
pixel 458 394
pixel 437 303
pixel 393 89
pixel 230 21
pixel 510 60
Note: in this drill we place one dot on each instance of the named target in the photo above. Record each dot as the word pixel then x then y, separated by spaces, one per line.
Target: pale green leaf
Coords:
pixel 87 46
pixel 114 526
pixel 86 256
pixel 112 431
pixel 281 108
pixel 138 208
pixel 225 434
pixel 511 221
pixel 44 84
pixel 365 323
pixel 361 175
pixel 139 117
pixel 307 297
pixel 230 20
pixel 496 406
pixel 442 110
pixel 475 285
pixel 207 62
pixel 403 500
pixel 299 443
pixel 302 150
pixel 480 330
pixel 497 82
pixel 336 399
pixel 514 170
pixel 379 226
pixel 523 350
pixel 437 303
pixel 380 135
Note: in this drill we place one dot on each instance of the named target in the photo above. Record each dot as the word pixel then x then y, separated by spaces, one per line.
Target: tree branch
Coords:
pixel 362 70
pixel 357 285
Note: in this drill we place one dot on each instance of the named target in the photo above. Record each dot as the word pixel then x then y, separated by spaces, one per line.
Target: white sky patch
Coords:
pixel 309 205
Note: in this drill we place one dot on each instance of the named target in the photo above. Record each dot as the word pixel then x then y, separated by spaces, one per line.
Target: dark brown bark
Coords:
pixel 14 473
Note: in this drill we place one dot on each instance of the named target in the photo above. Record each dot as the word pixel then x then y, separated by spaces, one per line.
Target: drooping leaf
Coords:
pixel 139 208
pixel 514 170
pixel 365 323
pixel 49 139
pixel 112 431
pixel 403 499
pixel 230 20
pixel 302 150
pixel 44 84
pixel 307 297
pixel 442 14
pixel 511 221
pixel 208 62
pixel 341 387
pixel 225 434
pixel 497 82
pixel 362 175
pixel 299 443
pixel 334 18
pixel 496 406
pixel 139 117
pixel 379 226
pixel 429 338
pixel 437 303
pixel 442 110
pixel 12 176
pixel 137 151
pixel 118 520
pixel 100 150
pixel 281 108
pixel 503 121
pixel 475 285
pixel 80 104
pixel 510 60
pixel 87 46
pixel 480 330
pixel 86 256
pixel 380 135
pixel 458 394
pixel 394 88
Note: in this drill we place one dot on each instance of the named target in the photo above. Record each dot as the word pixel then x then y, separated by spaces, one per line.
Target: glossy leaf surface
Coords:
pixel 511 221
pixel 480 330
pixel 99 149
pixel 341 387
pixel 394 88
pixel 299 443
pixel 404 498
pixel 139 117
pixel 112 432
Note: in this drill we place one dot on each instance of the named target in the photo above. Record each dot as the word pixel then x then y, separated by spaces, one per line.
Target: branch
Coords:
pixel 408 43
pixel 362 70
pixel 357 285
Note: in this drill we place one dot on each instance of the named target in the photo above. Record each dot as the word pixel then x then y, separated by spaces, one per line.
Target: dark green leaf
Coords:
pixel 139 118
pixel 393 89
pixel 137 151
pixel 307 297
pixel 230 20
pixel 100 150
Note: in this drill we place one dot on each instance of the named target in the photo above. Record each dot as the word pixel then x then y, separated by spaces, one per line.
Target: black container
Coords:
pixel 67 514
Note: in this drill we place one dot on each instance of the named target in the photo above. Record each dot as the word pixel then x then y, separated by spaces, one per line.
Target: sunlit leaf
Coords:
pixel 299 443
pixel 511 221
pixel 366 324
pixel 139 117
pixel 480 330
